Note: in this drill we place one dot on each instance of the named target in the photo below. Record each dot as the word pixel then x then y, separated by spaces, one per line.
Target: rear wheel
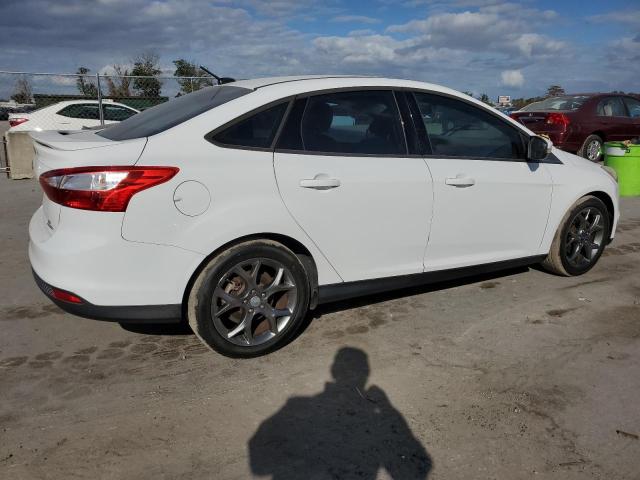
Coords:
pixel 592 148
pixel 249 300
pixel 580 239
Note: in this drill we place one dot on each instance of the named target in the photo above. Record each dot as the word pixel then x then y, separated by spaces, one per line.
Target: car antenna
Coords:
pixel 220 80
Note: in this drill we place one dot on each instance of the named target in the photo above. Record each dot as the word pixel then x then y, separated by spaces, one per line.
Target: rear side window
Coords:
pixel 169 114
pixel 87 111
pixel 255 131
pixel 353 122
pixel 458 129
pixel 116 113
pixel 633 106
pixel 611 107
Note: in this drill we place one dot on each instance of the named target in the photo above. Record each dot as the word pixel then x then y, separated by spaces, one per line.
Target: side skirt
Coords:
pixel 342 291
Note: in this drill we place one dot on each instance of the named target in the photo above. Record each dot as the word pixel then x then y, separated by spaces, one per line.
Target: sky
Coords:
pixel 482 46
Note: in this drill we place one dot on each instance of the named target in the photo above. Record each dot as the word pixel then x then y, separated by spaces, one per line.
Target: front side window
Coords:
pixel 115 113
pixel 459 129
pixel 352 122
pixel 633 106
pixel 611 107
pixel 85 111
pixel 255 131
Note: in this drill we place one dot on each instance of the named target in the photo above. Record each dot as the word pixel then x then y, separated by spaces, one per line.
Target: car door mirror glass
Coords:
pixel 538 149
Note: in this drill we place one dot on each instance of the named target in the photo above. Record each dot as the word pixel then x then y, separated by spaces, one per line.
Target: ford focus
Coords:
pixel 240 207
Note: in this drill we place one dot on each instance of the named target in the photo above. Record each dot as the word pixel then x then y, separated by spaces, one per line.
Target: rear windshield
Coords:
pixel 557 103
pixel 169 114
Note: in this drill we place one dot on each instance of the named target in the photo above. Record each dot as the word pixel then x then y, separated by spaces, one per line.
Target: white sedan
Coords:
pixel 240 207
pixel 70 115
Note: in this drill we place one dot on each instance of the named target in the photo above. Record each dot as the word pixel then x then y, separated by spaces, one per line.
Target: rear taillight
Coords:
pixel 104 189
pixel 14 122
pixel 557 119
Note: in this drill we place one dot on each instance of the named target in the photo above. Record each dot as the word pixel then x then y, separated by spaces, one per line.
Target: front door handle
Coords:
pixel 320 183
pixel 460 181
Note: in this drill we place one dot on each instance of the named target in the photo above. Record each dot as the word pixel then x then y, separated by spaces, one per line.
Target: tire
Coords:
pixel 578 234
pixel 249 300
pixel 588 149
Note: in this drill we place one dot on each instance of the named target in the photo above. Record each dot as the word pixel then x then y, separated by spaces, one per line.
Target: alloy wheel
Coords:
pixel 254 301
pixel 593 150
pixel 584 237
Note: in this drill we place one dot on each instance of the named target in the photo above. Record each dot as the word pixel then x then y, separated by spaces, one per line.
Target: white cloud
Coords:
pixel 355 19
pixel 512 78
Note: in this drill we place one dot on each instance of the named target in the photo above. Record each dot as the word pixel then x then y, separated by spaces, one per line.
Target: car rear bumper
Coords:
pixel 114 279
pixel 113 313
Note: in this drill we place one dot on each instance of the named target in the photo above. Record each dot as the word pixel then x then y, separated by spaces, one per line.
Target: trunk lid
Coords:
pixel 541 121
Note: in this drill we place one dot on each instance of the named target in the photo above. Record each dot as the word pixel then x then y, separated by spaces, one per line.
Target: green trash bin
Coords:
pixel 625 160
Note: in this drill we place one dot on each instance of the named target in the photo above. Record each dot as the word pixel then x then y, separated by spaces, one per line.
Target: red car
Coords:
pixel 581 123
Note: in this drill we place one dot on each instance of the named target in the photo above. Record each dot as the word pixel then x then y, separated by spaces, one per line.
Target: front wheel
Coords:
pixel 580 239
pixel 249 300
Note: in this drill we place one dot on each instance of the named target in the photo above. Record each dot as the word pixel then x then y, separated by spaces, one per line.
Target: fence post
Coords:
pixel 100 100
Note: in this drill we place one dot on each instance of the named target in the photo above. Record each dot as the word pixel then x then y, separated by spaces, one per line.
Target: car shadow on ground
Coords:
pixel 346 431
pixel 184 329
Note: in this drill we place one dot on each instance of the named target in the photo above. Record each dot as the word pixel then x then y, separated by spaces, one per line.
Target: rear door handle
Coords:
pixel 460 181
pixel 320 183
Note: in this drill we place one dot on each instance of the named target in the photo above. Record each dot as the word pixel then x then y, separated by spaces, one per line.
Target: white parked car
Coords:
pixel 239 207
pixel 70 115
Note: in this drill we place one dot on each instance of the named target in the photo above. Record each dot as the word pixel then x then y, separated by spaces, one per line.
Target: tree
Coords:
pixel 119 84
pixel 22 92
pixel 555 91
pixel 85 87
pixel 146 65
pixel 468 93
pixel 199 79
pixel 485 98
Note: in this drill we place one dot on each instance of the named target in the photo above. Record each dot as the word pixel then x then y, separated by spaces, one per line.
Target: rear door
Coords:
pixel 346 177
pixel 490 203
pixel 616 123
pixel 633 109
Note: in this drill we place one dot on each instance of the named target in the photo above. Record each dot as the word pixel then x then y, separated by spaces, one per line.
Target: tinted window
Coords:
pixel 291 137
pixel 611 107
pixel 458 129
pixel 116 113
pixel 257 130
pixel 633 106
pixel 358 122
pixel 81 110
pixel 169 114
pixel 571 102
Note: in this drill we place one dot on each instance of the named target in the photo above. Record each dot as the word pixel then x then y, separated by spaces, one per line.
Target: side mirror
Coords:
pixel 538 149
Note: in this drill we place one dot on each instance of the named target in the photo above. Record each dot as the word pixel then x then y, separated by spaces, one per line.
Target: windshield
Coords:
pixel 557 103
pixel 169 114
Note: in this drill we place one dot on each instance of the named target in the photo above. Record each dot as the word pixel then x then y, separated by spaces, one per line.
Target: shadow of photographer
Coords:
pixel 346 431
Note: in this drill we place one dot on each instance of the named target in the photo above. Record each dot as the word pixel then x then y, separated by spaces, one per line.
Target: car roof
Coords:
pixel 294 85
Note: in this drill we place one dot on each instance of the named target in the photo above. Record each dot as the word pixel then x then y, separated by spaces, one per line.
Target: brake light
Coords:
pixel 14 122
pixel 557 119
pixel 104 189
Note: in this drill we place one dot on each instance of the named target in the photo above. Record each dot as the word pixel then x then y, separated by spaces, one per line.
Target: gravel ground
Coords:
pixel 514 376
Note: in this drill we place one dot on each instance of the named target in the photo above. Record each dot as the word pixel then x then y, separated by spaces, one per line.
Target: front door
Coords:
pixel 490 203
pixel 345 176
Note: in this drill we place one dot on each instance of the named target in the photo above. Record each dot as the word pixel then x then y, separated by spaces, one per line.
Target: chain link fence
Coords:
pixel 58 101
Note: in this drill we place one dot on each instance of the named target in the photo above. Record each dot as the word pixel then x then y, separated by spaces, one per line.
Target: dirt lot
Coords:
pixel 519 375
